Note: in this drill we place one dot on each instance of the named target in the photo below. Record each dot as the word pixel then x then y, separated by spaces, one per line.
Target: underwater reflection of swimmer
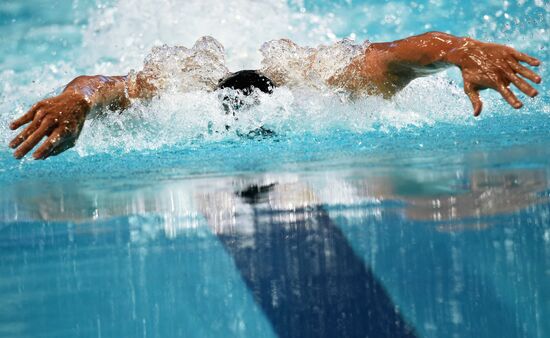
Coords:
pixel 370 68
pixel 441 198
pixel 460 204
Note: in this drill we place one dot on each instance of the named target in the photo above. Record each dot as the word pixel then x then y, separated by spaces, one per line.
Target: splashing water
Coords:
pixel 181 69
pixel 118 35
pixel 286 63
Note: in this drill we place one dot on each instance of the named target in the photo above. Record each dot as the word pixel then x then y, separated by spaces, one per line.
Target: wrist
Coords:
pixel 78 99
pixel 457 50
pixel 429 48
pixel 83 88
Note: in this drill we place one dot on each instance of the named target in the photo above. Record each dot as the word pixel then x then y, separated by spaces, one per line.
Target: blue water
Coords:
pixel 374 218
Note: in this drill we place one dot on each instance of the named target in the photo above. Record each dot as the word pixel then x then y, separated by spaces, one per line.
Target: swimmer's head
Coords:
pixel 245 82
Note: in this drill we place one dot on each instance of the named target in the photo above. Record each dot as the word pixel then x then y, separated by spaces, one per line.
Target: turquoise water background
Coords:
pixel 355 217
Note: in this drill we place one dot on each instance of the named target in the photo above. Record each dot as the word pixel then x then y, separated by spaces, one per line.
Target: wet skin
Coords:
pixel 384 69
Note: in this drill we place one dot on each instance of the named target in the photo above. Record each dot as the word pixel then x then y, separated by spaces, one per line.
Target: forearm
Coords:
pixel 388 67
pixel 110 92
pixel 422 54
pixel 100 91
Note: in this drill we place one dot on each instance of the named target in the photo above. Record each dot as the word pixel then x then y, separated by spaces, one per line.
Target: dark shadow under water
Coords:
pixel 307 278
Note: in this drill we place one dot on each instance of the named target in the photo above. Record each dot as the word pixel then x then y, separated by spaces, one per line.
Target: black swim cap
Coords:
pixel 246 81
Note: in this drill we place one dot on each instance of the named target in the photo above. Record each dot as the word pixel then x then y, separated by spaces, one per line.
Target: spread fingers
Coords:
pixel 26 118
pixel 525 72
pixel 509 96
pixel 32 140
pixel 526 58
pixel 55 139
pixel 24 134
pixel 522 85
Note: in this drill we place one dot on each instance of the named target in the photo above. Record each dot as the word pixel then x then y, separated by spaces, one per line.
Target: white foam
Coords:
pixel 289 64
pixel 185 118
pixel 186 69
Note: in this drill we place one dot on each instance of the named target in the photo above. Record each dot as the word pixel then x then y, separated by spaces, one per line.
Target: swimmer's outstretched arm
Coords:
pixel 390 66
pixel 61 117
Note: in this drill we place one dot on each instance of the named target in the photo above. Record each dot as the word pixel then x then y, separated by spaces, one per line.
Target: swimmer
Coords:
pixel 371 69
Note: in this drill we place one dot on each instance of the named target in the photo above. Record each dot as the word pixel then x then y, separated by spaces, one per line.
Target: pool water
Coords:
pixel 401 218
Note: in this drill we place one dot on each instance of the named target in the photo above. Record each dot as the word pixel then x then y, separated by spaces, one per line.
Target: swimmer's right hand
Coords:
pixel 60 118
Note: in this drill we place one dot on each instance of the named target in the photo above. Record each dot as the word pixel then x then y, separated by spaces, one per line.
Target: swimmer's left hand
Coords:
pixel 489 65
